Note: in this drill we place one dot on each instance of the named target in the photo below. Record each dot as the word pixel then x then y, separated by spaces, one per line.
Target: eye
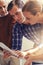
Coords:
pixel 16 13
pixel 0 7
pixel 13 15
pixel 4 6
pixel 27 18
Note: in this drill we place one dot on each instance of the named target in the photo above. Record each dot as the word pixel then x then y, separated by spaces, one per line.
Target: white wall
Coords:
pixel 27 44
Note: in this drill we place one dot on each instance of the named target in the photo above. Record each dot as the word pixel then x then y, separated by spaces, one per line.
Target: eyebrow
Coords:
pixel 27 18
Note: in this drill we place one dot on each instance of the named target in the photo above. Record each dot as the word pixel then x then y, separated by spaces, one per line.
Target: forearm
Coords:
pixel 36 53
pixel 36 57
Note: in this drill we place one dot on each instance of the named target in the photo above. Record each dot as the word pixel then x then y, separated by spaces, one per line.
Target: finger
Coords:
pixel 28 62
pixel 26 57
pixel 6 54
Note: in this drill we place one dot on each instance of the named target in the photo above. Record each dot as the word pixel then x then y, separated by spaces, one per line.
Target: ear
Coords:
pixel 38 13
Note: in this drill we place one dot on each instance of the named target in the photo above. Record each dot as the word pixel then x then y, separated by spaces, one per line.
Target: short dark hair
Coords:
pixel 10 5
pixel 19 3
pixel 32 6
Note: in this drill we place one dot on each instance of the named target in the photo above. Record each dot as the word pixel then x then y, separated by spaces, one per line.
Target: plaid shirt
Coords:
pixel 31 32
pixel 17 36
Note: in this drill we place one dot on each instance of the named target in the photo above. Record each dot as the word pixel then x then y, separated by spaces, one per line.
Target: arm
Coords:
pixel 33 57
pixel 36 53
pixel 36 57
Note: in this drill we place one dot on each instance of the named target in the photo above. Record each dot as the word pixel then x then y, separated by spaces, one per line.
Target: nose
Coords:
pixel 3 9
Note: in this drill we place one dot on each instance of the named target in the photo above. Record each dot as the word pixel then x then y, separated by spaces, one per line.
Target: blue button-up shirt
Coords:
pixel 31 32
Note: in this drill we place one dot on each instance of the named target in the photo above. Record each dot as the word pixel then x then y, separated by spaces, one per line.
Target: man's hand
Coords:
pixel 6 54
pixel 28 61
pixel 28 58
pixel 19 53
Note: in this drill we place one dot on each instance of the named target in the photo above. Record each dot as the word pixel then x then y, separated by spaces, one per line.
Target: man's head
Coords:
pixel 3 7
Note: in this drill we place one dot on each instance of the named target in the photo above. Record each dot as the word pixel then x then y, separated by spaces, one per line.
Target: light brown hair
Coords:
pixel 32 6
